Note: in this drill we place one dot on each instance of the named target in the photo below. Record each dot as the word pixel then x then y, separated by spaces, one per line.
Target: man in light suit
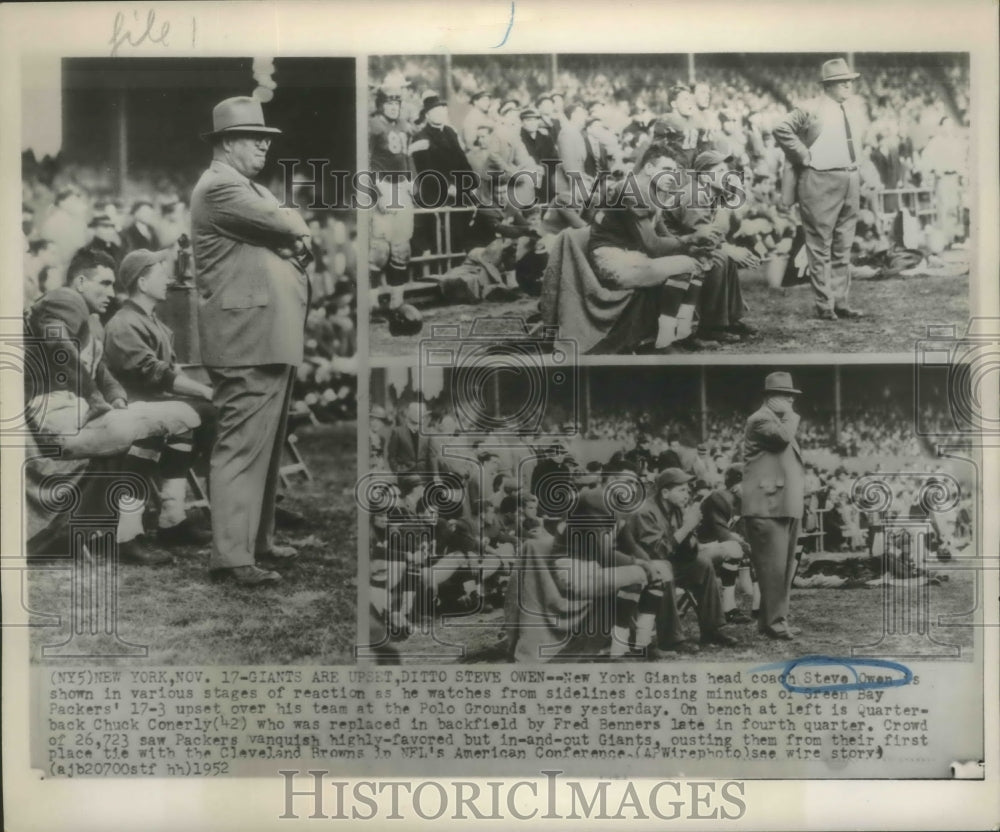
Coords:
pixel 823 146
pixel 773 495
pixel 254 293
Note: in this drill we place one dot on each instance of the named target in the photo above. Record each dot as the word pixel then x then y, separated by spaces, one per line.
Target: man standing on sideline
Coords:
pixel 251 319
pixel 823 147
pixel 773 496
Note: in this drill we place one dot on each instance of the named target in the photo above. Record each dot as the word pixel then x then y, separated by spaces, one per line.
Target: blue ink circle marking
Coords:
pixel 850 664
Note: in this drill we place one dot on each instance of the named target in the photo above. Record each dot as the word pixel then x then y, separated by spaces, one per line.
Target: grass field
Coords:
pixel 898 312
pixel 184 618
pixel 832 622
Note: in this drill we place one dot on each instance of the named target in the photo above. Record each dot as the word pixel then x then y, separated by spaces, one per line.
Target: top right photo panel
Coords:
pixel 670 204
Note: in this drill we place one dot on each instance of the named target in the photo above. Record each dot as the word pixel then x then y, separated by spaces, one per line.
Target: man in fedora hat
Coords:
pixel 440 163
pixel 251 318
pixel 821 141
pixel 773 497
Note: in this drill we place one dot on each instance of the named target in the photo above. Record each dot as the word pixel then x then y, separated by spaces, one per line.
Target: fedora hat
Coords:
pixel 838 70
pixel 430 102
pixel 241 114
pixel 779 382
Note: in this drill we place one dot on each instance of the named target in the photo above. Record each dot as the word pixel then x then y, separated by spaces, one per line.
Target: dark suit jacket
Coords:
pixel 541 147
pixel 718 510
pixel 773 474
pixel 132 240
pixel 440 150
pixel 649 533
pixel 253 301
pixel 404 456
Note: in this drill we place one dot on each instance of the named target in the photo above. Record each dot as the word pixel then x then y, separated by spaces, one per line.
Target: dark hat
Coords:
pixel 670 477
pixel 101 219
pixel 136 262
pixel 479 94
pixel 710 158
pixel 529 112
pixel 432 102
pixel 838 70
pixel 733 475
pixel 240 114
pixel 508 105
pixel 779 382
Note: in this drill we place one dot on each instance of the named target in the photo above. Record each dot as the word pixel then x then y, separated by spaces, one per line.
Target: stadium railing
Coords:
pixel 919 202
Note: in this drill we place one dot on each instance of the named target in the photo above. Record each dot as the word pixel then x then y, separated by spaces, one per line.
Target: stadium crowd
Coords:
pixel 502 506
pixel 101 263
pixel 609 118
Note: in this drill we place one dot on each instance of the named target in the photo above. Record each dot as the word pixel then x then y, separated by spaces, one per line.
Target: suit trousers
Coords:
pixel 772 552
pixel 252 417
pixel 698 576
pixel 829 201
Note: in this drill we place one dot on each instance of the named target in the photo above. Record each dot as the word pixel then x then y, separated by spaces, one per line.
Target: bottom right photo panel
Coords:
pixel 793 510
pixel 747 544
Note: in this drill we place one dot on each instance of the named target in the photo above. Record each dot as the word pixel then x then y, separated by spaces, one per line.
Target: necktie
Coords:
pixel 847 130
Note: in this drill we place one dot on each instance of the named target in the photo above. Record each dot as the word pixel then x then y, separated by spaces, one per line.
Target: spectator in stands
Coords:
pixel 65 225
pixel 573 151
pixel 142 232
pixel 139 352
pixel 408 449
pixel 378 430
pixel 41 270
pixel 478 117
pixel 547 112
pixel 542 149
pixel 105 238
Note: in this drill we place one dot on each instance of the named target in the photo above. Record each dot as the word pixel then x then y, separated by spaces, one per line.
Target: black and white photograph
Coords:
pixel 673 204
pixel 549 414
pixel 655 514
pixel 192 421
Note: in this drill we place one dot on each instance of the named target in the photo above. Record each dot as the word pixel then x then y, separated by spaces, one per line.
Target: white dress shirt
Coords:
pixel 830 148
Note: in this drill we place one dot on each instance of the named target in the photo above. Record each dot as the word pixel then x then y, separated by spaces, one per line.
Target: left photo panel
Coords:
pixel 189 354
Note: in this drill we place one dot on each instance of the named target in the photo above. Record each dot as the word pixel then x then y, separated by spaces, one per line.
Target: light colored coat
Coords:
pixel 773 474
pixel 253 301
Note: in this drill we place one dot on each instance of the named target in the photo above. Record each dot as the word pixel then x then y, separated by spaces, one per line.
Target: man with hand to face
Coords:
pixel 251 319
pixel 773 496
